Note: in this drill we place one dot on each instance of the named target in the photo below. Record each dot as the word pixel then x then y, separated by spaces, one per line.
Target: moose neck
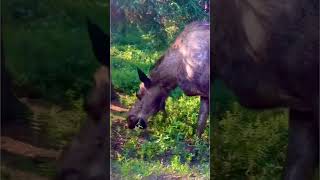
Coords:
pixel 165 71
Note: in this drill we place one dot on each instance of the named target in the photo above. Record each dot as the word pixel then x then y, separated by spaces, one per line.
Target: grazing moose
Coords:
pixel 86 158
pixel 267 52
pixel 185 64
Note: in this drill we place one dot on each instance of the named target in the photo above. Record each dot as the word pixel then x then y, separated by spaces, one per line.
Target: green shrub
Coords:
pixel 125 60
pixel 249 144
pixel 171 139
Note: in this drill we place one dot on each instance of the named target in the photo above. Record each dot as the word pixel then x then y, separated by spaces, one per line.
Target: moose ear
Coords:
pixel 144 78
pixel 99 41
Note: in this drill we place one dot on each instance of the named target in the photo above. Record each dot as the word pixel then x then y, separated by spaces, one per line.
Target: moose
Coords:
pixel 87 155
pixel 267 53
pixel 185 64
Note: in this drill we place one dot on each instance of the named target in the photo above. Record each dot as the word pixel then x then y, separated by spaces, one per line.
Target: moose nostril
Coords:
pixel 141 124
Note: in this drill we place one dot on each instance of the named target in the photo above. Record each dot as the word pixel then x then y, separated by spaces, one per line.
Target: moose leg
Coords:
pixel 203 115
pixel 303 147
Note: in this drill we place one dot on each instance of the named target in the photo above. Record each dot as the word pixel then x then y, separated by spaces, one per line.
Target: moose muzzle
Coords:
pixel 141 123
pixel 133 122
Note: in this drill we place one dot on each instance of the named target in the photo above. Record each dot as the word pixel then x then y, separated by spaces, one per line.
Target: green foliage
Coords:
pixel 55 127
pixel 137 169
pixel 47 47
pixel 72 121
pixel 249 144
pixel 181 122
pixel 221 99
pixel 165 18
pixel 125 60
pixel 17 167
pixel 170 139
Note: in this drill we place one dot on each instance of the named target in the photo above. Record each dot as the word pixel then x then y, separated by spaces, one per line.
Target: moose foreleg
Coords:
pixel 303 147
pixel 203 115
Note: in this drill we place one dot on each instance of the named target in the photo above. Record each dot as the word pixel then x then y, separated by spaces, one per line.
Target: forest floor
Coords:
pixel 118 139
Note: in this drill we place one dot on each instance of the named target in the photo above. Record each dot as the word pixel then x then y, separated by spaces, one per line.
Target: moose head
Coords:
pixel 151 99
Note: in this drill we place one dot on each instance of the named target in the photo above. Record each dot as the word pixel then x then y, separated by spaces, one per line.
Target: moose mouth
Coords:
pixel 133 122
